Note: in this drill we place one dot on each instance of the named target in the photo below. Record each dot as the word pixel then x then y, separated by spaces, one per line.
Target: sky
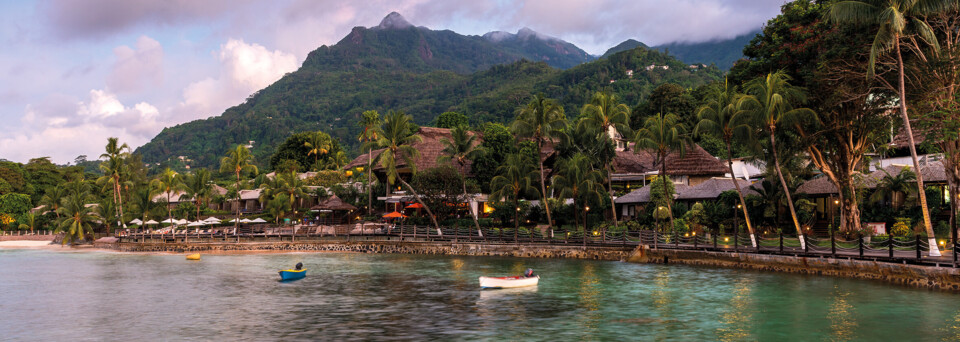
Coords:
pixel 75 72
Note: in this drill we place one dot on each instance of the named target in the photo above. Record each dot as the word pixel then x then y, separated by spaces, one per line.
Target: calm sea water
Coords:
pixel 58 296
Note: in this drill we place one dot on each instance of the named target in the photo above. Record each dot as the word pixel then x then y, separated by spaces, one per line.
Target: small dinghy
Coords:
pixel 195 256
pixel 297 273
pixel 528 279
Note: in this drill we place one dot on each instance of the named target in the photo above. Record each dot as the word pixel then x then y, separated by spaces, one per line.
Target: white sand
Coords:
pixel 24 244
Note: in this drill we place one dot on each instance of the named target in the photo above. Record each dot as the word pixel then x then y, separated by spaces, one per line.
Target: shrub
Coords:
pixel 901 228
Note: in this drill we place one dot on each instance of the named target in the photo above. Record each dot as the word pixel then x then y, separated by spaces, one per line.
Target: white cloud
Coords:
pixel 63 131
pixel 137 67
pixel 244 69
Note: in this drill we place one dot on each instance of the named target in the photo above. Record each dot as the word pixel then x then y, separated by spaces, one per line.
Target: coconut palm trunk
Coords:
pixel 425 207
pixel 786 190
pixel 921 193
pixel 543 186
pixel 369 180
pixel 743 203
pixel 473 215
pixel 236 220
pixel 663 175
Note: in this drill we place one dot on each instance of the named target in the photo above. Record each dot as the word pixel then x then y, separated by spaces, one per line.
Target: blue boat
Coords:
pixel 293 274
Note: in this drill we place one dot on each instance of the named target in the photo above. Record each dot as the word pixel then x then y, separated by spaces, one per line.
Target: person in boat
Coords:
pixel 528 273
pixel 299 266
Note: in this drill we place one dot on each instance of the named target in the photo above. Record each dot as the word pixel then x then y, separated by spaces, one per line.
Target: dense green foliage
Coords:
pixel 723 53
pixel 294 149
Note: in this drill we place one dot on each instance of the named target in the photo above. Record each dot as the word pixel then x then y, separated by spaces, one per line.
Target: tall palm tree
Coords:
pixel 114 167
pixel 78 219
pixel 30 222
pixel 512 182
pixel 142 200
pixel 168 183
pixel 370 125
pixel 897 19
pixel 396 137
pixel 664 135
pixel 318 143
pixel 723 116
pixel 577 179
pixel 288 184
pixel 278 206
pixel 460 148
pixel 198 187
pixel 103 210
pixel 239 161
pixel 541 119
pixel 771 104
pixel 606 113
pixel 52 198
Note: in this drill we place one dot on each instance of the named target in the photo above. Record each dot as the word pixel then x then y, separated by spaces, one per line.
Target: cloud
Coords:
pixel 244 69
pixel 62 128
pixel 96 18
pixel 137 67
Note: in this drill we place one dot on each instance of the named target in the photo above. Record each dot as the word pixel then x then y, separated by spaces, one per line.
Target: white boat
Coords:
pixel 508 282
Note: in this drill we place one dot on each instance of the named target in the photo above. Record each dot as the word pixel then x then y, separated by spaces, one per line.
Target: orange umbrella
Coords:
pixel 394 215
pixel 415 206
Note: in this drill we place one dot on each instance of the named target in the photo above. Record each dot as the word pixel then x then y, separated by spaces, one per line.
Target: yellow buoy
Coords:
pixel 195 256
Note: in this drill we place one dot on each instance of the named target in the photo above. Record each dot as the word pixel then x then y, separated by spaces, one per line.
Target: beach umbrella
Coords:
pixel 258 220
pixel 245 221
pixel 414 206
pixel 182 221
pixel 169 220
pixel 394 215
pixel 151 222
pixel 212 219
pixel 136 221
pixel 197 224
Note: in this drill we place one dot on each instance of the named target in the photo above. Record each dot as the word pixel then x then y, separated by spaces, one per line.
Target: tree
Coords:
pixel 451 120
pixel 894 187
pixel 113 168
pixel 238 162
pixel 723 116
pixel 513 182
pixel 29 221
pixel 294 148
pixel 577 179
pixel 142 200
pixel 662 191
pixel 396 137
pixel 461 147
pixel 666 98
pixel 369 124
pixel 497 143
pixel 541 120
pixel 897 19
pixel 610 117
pixel 287 184
pixel 51 199
pixel 278 206
pixel 168 183
pixel 318 143
pixel 771 104
pixel 14 206
pixel 664 135
pixel 198 186
pixel 78 219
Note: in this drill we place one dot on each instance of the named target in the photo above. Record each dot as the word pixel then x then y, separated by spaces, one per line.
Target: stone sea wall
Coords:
pixel 942 278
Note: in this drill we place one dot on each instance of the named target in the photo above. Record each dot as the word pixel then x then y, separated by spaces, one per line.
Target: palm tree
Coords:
pixel 894 186
pixel 897 19
pixel 168 183
pixel 541 119
pixel 197 186
pixel 664 135
pixel 771 104
pixel 318 143
pixel 369 124
pixel 31 222
pixel 396 137
pixel 460 148
pixel 609 116
pixel 238 161
pixel 723 116
pixel 278 206
pixel 52 198
pixel 78 218
pixel 288 184
pixel 103 210
pixel 512 182
pixel 143 201
pixel 577 179
pixel 114 167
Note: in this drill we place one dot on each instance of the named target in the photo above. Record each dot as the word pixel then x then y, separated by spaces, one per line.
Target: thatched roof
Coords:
pixel 708 190
pixel 333 203
pixel 430 149
pixel 902 140
pixel 933 172
pixel 695 162
pixel 642 195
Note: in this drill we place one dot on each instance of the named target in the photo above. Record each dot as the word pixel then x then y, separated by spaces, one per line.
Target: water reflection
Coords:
pixel 951 329
pixel 737 320
pixel 842 321
pixel 589 292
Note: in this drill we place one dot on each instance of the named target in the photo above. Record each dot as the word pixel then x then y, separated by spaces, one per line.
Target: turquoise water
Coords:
pixel 63 296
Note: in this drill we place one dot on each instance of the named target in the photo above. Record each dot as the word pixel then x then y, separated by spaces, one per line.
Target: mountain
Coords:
pixel 537 47
pixel 628 44
pixel 723 53
pixel 398 66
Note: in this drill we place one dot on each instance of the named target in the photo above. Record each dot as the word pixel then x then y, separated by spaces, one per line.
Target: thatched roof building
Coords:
pixel 334 203
pixel 933 173
pixel 707 190
pixel 430 149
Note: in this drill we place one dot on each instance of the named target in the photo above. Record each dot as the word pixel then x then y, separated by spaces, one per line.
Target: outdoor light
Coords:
pixel 942 242
pixel 694 233
pixel 726 239
pixel 686 234
pixel 738 206
pixel 836 201
pixel 588 208
pixel 595 233
pixel 518 208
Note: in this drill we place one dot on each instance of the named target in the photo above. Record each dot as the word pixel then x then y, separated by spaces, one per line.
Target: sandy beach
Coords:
pixel 25 244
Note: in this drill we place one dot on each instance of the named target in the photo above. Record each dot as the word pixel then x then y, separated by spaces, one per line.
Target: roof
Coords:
pixel 709 189
pixel 333 203
pixel 430 149
pixel 174 197
pixel 932 172
pixel 250 194
pixel 695 162
pixel 903 140
pixel 301 175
